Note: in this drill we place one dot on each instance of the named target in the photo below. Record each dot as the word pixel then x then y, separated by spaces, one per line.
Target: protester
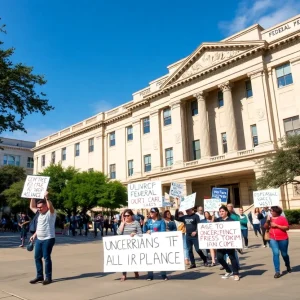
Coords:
pixel 155 224
pixel 244 227
pixel 170 225
pixel 98 225
pixel 263 216
pixel 225 217
pixel 85 221
pixel 254 219
pixel 208 219
pixel 23 223
pixel 45 235
pixel 191 221
pixel 131 227
pixel 181 227
pixel 106 224
pixel 279 240
pixel 200 213
pixel 73 224
pixel 140 218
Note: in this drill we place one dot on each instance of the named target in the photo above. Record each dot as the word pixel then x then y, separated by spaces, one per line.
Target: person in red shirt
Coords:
pixel 279 239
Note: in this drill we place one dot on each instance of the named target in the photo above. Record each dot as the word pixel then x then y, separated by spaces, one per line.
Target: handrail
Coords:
pixel 250 207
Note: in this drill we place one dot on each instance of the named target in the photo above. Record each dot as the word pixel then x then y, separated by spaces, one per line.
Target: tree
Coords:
pixel 115 195
pixel 18 95
pixel 10 175
pixel 282 167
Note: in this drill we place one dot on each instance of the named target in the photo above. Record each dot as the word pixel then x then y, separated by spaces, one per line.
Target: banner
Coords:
pixel 188 202
pixel 161 251
pixel 35 187
pixel 145 194
pixel 220 193
pixel 266 198
pixel 176 190
pixel 220 235
pixel 212 205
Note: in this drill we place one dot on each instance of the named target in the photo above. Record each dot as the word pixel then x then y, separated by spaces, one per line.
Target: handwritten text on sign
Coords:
pixel 144 194
pixel 188 202
pixel 266 198
pixel 176 190
pixel 220 193
pixel 35 187
pixel 162 251
pixel 212 204
pixel 220 235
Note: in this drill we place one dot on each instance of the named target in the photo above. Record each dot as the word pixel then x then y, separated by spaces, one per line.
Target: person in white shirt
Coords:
pixel 45 234
pixel 200 213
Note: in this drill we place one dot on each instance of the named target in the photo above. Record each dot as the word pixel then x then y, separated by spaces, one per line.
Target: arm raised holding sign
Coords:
pixel 49 204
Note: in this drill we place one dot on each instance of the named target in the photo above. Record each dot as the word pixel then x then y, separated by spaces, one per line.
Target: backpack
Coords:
pixel 33 223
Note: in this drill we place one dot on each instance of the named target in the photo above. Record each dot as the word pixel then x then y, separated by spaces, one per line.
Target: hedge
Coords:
pixel 293 215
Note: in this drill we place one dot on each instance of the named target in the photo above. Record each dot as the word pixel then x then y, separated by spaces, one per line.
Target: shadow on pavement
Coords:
pixel 249 267
pixel 253 273
pixel 85 275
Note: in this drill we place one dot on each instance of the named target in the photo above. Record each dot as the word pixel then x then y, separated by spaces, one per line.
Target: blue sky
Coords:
pixel 96 53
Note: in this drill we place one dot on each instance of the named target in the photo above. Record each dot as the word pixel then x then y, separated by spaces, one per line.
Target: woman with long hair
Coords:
pixel 170 224
pixel 130 227
pixel 181 227
pixel 256 221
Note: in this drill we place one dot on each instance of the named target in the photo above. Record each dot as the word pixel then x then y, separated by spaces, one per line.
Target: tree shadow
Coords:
pixel 84 275
pixel 253 273
pixel 255 246
pixel 249 267
pixel 295 269
pixel 190 275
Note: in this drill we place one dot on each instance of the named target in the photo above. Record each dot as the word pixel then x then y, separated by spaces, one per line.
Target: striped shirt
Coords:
pixel 129 228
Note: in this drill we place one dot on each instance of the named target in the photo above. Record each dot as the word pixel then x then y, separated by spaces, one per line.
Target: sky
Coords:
pixel 95 54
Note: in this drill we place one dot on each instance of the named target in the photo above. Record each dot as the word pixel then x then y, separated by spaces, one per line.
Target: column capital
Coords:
pixel 256 73
pixel 225 86
pixel 200 96
pixel 175 104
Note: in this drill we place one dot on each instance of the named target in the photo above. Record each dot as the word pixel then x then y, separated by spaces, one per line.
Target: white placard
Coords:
pixel 176 190
pixel 161 251
pixel 188 202
pixel 212 205
pixel 266 198
pixel 35 187
pixel 145 194
pixel 220 235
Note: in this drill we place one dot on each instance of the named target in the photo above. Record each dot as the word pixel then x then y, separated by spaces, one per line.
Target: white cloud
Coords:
pixel 267 13
pixel 101 106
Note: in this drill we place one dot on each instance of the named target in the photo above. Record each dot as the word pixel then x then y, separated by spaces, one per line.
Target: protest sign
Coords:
pixel 220 193
pixel 220 235
pixel 145 194
pixel 266 198
pixel 212 204
pixel 35 187
pixel 187 202
pixel 161 251
pixel 176 190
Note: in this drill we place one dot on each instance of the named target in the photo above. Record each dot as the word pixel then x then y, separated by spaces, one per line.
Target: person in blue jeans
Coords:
pixel 155 224
pixel 244 227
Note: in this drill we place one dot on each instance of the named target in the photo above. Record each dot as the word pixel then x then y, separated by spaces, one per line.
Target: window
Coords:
pixel 284 75
pixel 63 154
pixel 91 145
pixel 77 149
pixel 112 139
pixel 147 163
pixel 254 135
pixel 220 99
pixel 194 107
pixel 130 167
pixel 169 156
pixel 30 162
pixel 43 160
pixel 196 150
pixel 292 126
pixel 12 160
pixel 146 125
pixel 167 117
pixel 53 157
pixel 249 92
pixel 129 133
pixel 224 142
pixel 112 171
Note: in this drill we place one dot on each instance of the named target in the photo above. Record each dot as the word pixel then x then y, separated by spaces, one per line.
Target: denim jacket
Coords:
pixel 171 226
pixel 156 226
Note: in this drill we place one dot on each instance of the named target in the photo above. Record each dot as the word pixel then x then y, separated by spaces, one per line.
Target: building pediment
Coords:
pixel 210 56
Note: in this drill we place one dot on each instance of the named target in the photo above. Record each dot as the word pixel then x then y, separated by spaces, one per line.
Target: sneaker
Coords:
pixel 277 275
pixel 36 280
pixel 227 275
pixel 246 247
pixel 236 277
pixel 289 269
pixel 192 267
pixel 164 277
pixel 47 281
pixel 264 246
pixel 149 278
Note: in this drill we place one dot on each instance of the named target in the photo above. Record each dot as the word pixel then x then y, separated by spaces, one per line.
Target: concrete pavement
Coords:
pixel 78 265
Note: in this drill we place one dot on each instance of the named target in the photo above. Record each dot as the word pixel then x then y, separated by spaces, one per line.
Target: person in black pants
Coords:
pixel 191 221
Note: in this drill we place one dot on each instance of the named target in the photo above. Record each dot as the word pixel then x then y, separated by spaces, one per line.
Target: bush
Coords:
pixel 293 216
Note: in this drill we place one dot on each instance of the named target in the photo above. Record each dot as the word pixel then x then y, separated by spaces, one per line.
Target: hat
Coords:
pixel 154 209
pixel 30 246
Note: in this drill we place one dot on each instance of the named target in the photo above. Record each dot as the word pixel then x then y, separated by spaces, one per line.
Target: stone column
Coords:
pixel 156 156
pixel 137 162
pixel 229 112
pixel 204 126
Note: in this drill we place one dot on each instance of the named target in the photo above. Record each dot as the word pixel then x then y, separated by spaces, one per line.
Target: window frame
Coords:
pixel 30 162
pixel 91 145
pixel 112 171
pixel 248 89
pixel 147 164
pixel 169 159
pixel 112 141
pixel 167 118
pixel 284 76
pixel 194 110
pixel 43 160
pixel 129 135
pixel 130 168
pixel 53 157
pixel 196 150
pixel 294 130
pixel 220 99
pixel 254 144
pixel 147 119
pixel 224 144
pixel 77 151
pixel 64 154
pixel 17 162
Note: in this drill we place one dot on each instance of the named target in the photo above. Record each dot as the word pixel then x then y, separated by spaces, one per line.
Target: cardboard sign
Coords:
pixel 176 190
pixel 220 193
pixel 35 187
pixel 212 205
pixel 220 235
pixel 145 194
pixel 161 251
pixel 187 202
pixel 266 198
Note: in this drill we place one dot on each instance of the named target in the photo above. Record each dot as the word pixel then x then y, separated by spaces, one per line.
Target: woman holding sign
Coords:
pixel 208 219
pixel 130 227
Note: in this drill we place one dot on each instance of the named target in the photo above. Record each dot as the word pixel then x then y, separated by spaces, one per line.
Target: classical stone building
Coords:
pixel 203 124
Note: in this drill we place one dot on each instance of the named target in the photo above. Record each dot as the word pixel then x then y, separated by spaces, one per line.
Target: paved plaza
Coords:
pixel 78 266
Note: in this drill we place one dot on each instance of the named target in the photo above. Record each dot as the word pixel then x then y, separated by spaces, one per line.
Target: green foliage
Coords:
pixel 283 166
pixel 10 175
pixel 115 195
pixel 293 216
pixel 18 95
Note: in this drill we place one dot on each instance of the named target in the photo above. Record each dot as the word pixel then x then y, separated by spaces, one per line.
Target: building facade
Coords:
pixel 17 153
pixel 204 124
